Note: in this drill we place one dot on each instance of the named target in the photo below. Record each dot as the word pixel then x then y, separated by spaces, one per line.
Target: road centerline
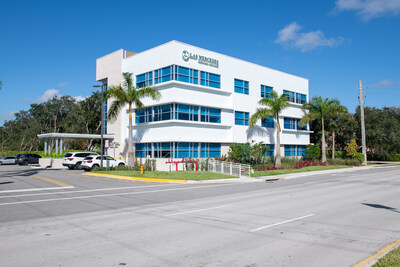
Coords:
pixel 280 223
pixel 199 210
pixel 34 189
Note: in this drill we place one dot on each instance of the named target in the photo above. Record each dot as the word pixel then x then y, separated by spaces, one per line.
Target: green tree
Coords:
pixel 125 94
pixel 273 106
pixel 322 109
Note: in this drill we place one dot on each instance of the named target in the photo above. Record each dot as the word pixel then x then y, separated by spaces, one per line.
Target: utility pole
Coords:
pixel 363 142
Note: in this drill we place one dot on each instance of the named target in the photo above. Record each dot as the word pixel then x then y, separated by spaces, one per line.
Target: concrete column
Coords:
pixel 45 146
pixel 61 146
pixel 56 146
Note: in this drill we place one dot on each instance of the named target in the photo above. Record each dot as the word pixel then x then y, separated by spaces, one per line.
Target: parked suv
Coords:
pixel 7 160
pixel 25 159
pixel 74 160
pixel 93 162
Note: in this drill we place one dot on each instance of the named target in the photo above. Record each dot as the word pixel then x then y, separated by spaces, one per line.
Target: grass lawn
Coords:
pixel 390 259
pixel 180 175
pixel 305 169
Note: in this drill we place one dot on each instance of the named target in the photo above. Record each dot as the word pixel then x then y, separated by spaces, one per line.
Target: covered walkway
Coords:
pixel 59 137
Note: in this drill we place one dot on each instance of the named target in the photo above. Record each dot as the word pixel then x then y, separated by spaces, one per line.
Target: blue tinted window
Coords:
pixel 145 79
pixel 241 87
pixel 290 150
pixel 210 79
pixel 270 151
pixel 241 118
pixel 265 90
pixel 268 122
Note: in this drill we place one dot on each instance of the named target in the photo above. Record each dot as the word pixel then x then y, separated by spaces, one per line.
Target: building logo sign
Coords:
pixel 200 59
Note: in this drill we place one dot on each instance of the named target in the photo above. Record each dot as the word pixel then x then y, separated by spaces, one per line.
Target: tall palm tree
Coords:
pixel 125 94
pixel 322 109
pixel 274 105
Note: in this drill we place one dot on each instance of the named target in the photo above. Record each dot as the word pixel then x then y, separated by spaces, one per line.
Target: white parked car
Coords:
pixel 92 162
pixel 73 160
pixel 7 160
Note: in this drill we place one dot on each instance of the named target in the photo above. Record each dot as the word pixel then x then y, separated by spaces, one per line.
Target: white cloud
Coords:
pixel 6 116
pixel 62 84
pixel 369 9
pixel 385 83
pixel 305 41
pixel 79 98
pixel 49 94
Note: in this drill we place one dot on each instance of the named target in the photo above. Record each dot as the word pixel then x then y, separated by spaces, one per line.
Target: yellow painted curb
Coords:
pixel 378 254
pixel 138 178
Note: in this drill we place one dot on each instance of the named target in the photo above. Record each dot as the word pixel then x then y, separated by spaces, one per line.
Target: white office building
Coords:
pixel 207 100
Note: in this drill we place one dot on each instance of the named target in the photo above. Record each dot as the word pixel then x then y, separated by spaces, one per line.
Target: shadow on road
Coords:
pixel 6 183
pixel 378 206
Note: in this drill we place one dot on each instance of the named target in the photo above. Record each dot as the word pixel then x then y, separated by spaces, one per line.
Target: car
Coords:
pixel 93 162
pixel 25 159
pixel 7 160
pixel 73 160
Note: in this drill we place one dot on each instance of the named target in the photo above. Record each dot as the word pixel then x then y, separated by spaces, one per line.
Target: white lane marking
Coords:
pixel 81 191
pixel 35 189
pixel 193 211
pixel 110 195
pixel 279 223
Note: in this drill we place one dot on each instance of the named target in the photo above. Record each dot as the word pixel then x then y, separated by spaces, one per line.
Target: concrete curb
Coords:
pixel 160 180
pixel 310 173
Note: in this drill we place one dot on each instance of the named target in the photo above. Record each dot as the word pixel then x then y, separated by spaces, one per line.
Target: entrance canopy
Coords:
pixel 60 136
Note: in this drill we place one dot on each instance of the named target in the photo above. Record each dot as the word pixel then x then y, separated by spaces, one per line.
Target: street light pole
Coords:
pixel 102 123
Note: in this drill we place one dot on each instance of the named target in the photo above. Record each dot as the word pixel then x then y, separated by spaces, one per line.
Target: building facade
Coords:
pixel 207 100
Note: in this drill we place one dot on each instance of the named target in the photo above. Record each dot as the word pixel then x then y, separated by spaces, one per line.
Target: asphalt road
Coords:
pixel 63 218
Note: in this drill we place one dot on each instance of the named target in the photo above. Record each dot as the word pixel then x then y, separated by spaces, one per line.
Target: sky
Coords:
pixel 50 47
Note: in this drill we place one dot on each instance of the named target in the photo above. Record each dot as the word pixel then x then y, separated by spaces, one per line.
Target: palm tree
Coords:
pixel 322 109
pixel 124 94
pixel 274 105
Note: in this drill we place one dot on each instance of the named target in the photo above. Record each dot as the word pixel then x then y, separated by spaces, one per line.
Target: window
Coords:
pixel 142 150
pixel 186 112
pixel 144 115
pixel 291 96
pixel 210 115
pixel 296 97
pixel 295 150
pixel 144 79
pixel 270 151
pixel 209 150
pixel 210 79
pixel 300 98
pixel 241 118
pixel 268 122
pixel 299 127
pixel 178 150
pixel 186 75
pixel 265 90
pixel 289 123
pixel 163 75
pixel 162 113
pixel 301 151
pixel 290 150
pixel 293 124
pixel 241 87
pixel 187 150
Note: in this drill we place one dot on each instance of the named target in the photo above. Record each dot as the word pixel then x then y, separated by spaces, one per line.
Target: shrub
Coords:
pixel 313 152
pixel 288 162
pixel 394 157
pixel 351 148
pixel 359 157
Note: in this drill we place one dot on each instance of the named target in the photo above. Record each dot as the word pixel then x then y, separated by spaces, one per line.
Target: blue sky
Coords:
pixel 50 47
